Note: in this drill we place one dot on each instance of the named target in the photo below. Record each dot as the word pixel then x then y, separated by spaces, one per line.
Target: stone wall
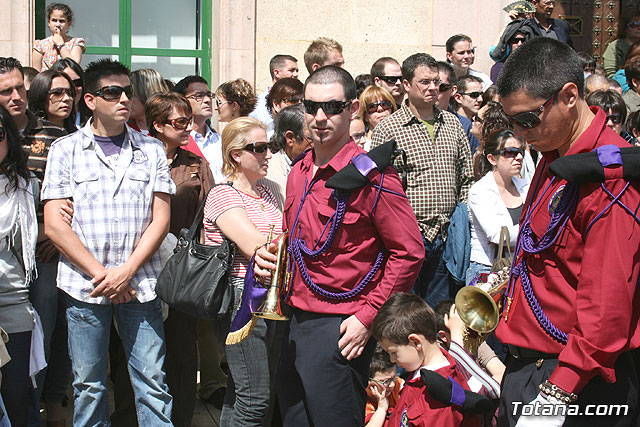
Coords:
pixel 16 29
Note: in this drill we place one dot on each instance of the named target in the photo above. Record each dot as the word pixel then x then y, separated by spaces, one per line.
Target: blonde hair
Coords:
pixel 371 94
pixel 235 137
pixel 319 51
pixel 241 92
pixel 147 82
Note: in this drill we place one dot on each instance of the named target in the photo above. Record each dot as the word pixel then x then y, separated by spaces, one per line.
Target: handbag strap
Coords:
pixel 194 229
pixel 504 238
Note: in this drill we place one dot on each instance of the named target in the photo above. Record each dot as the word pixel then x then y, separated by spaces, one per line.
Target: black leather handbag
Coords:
pixel 195 279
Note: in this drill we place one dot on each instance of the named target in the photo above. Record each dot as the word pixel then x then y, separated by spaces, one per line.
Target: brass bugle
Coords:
pixel 271 308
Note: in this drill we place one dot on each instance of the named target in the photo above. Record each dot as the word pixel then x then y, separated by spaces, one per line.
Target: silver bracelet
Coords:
pixel 550 390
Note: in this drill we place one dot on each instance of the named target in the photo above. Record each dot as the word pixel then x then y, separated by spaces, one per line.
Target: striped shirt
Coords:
pixel 479 377
pixel 262 211
pixel 439 169
pixel 112 205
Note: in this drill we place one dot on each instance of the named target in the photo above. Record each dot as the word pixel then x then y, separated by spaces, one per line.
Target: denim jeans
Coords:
pixel 16 384
pixel 142 333
pixel 474 269
pixel 434 283
pixel 247 399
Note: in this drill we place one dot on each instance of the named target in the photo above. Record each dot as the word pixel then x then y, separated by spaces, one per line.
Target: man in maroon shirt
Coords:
pixel 351 251
pixel 572 307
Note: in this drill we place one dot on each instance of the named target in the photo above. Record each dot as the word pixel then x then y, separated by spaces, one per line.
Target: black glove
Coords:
pixel 442 389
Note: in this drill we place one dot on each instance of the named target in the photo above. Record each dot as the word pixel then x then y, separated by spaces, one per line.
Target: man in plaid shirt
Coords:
pixel 438 165
pixel 119 182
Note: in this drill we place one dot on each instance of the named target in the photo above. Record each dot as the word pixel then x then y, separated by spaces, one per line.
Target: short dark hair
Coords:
pixel 100 69
pixel 447 69
pixel 66 10
pixel 8 64
pixel 403 315
pixel 416 60
pixel 333 74
pixel 377 69
pixel 64 63
pixel 442 308
pixel 541 67
pixel 608 100
pixel 362 81
pixel 633 122
pixel 182 85
pixel 38 96
pixel 380 362
pixel 290 118
pixel 279 61
pixel 14 165
pixel 29 73
pixel 632 70
pixel 463 82
pixel 451 41
pixel 587 61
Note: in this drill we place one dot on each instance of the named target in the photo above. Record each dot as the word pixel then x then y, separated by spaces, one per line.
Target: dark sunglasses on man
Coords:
pixel 373 107
pixel 473 95
pixel 530 119
pixel 259 147
pixel 391 80
pixel 615 118
pixel 329 107
pixel 113 93
pixel 444 87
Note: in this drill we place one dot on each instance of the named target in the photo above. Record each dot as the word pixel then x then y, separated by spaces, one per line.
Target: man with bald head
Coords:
pixel 595 82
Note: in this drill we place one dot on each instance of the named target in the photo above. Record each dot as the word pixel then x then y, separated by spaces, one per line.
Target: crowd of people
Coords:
pixel 396 189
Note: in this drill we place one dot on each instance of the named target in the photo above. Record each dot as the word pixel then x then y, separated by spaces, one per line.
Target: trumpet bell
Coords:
pixel 271 308
pixel 477 309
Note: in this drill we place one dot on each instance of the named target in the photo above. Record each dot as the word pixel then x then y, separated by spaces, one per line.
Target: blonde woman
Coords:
pixel 244 212
pixel 376 104
pixel 145 82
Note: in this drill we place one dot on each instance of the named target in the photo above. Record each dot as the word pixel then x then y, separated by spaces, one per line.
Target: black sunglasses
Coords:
pixel 511 152
pixel 3 134
pixel 444 87
pixel 615 118
pixel 329 107
pixel 58 92
pixel 113 93
pixel 180 123
pixel 530 119
pixel 373 107
pixel 473 95
pixel 260 149
pixel 391 79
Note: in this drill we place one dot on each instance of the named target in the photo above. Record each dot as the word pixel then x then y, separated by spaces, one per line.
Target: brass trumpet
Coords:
pixel 271 308
pixel 480 308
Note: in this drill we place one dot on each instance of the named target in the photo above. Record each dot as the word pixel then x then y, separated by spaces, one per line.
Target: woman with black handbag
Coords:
pixel 245 213
pixel 169 119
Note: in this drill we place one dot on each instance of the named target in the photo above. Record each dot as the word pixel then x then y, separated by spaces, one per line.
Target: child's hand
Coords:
pixel 455 325
pixel 57 37
pixel 380 393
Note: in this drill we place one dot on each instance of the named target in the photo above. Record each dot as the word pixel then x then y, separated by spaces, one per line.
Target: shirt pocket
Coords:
pixel 137 181
pixel 88 187
pixel 348 235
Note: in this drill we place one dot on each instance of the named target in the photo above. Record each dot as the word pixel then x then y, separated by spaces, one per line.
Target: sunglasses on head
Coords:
pixel 444 87
pixel 391 80
pixel 530 119
pixel 615 118
pixel 3 134
pixel 329 107
pixel 180 123
pixel 113 93
pixel 473 95
pixel 259 147
pixel 373 107
pixel 58 92
pixel 511 152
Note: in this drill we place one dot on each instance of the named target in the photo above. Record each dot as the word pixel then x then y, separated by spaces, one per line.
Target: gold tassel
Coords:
pixel 242 333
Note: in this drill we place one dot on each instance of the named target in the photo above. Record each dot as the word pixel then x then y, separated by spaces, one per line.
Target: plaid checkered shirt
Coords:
pixel 439 169
pixel 112 206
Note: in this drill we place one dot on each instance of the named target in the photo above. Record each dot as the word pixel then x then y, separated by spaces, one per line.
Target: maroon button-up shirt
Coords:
pixel 392 224
pixel 586 285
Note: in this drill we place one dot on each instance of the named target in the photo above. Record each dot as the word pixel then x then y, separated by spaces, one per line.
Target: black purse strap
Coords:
pixel 194 230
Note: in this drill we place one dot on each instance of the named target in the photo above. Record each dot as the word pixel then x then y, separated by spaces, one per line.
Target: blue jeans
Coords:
pixel 434 284
pixel 142 333
pixel 474 269
pixel 246 402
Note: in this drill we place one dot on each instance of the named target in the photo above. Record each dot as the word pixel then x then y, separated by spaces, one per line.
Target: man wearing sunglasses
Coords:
pixel 387 74
pixel 469 96
pixel 572 306
pixel 119 182
pixel 439 167
pixel 337 291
